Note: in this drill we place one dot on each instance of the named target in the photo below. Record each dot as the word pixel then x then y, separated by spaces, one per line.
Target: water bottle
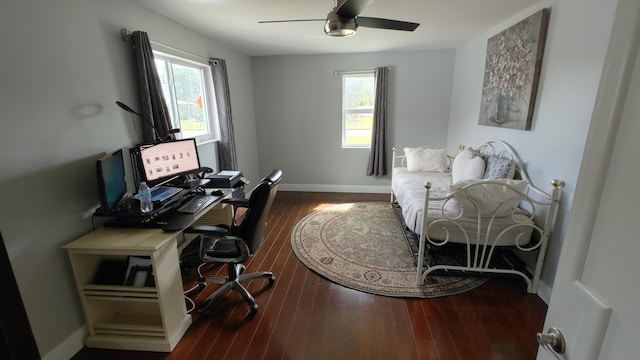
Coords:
pixel 144 194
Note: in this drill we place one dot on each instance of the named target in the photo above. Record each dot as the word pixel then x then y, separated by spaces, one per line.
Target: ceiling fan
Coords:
pixel 344 20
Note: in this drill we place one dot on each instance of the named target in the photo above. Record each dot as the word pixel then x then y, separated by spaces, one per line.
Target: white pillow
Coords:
pixel 426 159
pixel 467 166
pixel 488 197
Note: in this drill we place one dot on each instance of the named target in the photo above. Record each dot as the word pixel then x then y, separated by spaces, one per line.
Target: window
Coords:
pixel 358 96
pixel 188 91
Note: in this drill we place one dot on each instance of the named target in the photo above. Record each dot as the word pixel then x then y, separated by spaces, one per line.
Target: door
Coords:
pixel 596 292
pixel 16 339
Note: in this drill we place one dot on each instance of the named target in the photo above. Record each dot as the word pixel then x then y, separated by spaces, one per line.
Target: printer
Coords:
pixel 228 179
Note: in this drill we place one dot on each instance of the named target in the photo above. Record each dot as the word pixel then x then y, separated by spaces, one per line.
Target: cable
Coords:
pixel 198 286
pixel 193 288
pixel 192 304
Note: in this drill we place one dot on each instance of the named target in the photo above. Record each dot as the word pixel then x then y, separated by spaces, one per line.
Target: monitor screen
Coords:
pixel 165 161
pixel 111 180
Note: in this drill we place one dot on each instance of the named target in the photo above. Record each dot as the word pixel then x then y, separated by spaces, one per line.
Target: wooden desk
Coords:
pixel 148 318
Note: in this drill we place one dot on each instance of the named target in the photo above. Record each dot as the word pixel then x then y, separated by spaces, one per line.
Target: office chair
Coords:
pixel 235 245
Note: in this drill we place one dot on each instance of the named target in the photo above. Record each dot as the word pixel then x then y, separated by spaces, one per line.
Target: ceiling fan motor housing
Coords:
pixel 337 25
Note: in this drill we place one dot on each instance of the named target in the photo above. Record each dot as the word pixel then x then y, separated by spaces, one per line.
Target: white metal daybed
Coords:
pixel 477 223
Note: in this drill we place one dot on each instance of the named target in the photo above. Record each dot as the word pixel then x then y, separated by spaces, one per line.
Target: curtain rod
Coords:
pixel 126 33
pixel 341 72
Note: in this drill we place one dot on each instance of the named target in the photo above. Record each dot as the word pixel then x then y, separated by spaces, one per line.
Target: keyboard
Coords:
pixel 196 204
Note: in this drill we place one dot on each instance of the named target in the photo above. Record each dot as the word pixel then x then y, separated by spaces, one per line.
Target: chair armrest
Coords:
pixel 214 231
pixel 237 202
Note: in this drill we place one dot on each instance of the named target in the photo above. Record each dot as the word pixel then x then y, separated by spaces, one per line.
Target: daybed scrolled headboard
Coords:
pixel 502 149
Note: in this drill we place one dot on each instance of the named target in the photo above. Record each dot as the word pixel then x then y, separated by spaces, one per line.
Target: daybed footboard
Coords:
pixel 486 226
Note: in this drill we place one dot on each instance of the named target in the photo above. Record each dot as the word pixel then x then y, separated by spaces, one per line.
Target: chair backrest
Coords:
pixel 253 226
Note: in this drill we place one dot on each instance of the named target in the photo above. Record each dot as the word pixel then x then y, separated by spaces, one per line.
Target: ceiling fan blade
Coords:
pixel 386 23
pixel 281 21
pixel 352 8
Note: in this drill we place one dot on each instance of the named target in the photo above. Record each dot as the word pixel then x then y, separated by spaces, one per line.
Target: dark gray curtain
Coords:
pixel 227 159
pixel 377 165
pixel 154 108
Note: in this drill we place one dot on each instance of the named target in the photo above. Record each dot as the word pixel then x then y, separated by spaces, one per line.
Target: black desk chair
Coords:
pixel 236 244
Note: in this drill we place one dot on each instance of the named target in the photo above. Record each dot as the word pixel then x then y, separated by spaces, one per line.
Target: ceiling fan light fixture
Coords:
pixel 339 26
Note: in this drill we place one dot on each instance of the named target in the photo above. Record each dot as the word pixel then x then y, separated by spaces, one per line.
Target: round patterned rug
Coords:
pixel 362 246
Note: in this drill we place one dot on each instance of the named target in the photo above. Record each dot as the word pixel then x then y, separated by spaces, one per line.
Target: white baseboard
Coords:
pixel 336 188
pixel 544 292
pixel 68 348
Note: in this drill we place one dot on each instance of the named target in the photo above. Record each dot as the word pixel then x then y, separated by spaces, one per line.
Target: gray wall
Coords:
pixel 63 65
pixel 571 69
pixel 298 106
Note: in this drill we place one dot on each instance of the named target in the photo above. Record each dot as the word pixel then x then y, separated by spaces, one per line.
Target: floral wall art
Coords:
pixel 512 69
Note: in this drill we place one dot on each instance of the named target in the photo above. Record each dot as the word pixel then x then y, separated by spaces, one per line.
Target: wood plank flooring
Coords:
pixel 304 316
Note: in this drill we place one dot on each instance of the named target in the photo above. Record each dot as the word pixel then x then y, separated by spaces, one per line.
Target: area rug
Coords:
pixel 362 246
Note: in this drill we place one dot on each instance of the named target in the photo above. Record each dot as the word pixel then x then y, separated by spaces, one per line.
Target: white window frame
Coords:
pixel 346 111
pixel 210 106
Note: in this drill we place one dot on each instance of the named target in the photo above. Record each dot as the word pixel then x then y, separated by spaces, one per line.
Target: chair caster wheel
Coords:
pixel 272 279
pixel 204 307
pixel 254 309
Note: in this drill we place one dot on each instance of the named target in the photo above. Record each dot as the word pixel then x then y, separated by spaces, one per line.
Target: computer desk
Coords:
pixel 147 318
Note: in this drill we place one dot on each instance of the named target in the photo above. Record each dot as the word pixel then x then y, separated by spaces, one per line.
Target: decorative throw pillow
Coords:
pixel 466 166
pixel 426 159
pixel 500 168
pixel 489 198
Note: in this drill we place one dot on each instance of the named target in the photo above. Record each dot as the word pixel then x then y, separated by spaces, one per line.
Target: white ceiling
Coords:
pixel 443 23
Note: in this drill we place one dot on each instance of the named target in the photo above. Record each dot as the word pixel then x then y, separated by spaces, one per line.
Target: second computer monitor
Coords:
pixel 112 184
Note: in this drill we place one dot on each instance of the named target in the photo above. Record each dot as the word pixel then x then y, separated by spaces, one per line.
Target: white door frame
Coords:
pixel 607 115
pixel 603 129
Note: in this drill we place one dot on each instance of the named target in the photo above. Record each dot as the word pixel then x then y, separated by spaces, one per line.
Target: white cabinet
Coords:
pixel 149 318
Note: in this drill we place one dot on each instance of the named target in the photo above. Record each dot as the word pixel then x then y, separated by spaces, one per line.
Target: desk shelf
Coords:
pixel 114 292
pixel 131 325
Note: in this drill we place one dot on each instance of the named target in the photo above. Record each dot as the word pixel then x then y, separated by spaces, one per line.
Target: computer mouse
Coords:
pixel 216 192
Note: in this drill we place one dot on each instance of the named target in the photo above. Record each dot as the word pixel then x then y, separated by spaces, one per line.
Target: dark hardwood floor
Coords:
pixel 304 316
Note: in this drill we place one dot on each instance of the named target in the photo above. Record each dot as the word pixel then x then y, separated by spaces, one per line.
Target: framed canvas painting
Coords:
pixel 512 70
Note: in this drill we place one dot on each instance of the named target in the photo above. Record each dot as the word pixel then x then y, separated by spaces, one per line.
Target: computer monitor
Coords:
pixel 111 181
pixel 164 162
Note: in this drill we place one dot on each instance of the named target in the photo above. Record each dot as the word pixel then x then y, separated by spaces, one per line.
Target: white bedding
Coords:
pixel 408 188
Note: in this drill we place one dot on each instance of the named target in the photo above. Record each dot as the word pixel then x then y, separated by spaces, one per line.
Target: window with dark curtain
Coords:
pixel 377 165
pixel 152 102
pixel 227 159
